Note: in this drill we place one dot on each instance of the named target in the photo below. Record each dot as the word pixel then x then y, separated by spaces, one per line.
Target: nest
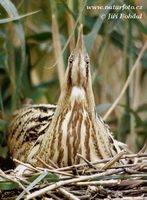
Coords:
pixel 83 181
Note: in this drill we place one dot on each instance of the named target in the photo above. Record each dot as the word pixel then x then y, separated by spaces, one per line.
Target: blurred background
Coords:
pixel 36 38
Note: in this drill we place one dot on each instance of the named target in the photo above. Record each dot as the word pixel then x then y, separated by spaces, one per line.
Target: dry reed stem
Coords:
pixel 39 169
pixel 103 183
pixel 71 35
pixel 113 160
pixel 74 180
pixel 127 180
pixel 45 164
pixel 86 161
pixel 55 171
pixel 70 25
pixel 26 165
pixel 2 174
pixel 103 161
pixel 57 49
pixel 129 198
pixel 135 66
pixel 67 194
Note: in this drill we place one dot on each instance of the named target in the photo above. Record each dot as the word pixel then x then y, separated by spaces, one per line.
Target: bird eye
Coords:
pixel 71 59
pixel 87 60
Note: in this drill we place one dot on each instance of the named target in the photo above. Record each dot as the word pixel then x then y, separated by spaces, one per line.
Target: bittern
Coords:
pixel 59 133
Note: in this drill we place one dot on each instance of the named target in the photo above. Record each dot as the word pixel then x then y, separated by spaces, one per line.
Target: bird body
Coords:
pixel 59 133
pixel 26 128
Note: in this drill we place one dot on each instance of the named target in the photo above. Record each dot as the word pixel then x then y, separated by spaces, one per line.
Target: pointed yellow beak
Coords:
pixel 80 42
pixel 79 67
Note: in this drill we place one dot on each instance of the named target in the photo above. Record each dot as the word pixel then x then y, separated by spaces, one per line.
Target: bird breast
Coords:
pixel 78 94
pixel 71 134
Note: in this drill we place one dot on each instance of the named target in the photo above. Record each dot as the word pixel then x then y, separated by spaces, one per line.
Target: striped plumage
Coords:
pixel 26 127
pixel 60 133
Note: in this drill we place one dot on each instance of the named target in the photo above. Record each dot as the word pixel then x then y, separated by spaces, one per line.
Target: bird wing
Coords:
pixel 26 126
pixel 116 146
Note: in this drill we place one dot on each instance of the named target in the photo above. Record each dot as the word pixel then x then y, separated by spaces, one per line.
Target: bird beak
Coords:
pixel 80 42
pixel 78 70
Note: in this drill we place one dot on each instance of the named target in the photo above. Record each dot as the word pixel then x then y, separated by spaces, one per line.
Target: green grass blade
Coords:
pixel 50 177
pixel 12 12
pixel 8 185
pixel 37 180
pixel 10 19
pixel 90 37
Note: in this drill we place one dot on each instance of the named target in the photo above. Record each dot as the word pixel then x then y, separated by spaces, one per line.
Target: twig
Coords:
pixel 67 194
pixel 67 182
pixel 52 169
pixel 103 183
pixel 137 167
pixel 63 191
pixel 38 169
pixel 54 196
pixel 52 163
pixel 26 165
pixel 88 163
pixel 113 160
pixel 45 164
pixel 135 191
pixel 140 166
pixel 130 198
pixel 132 183
pixel 136 64
pixel 55 171
pixel 124 179
pixel 135 155
pixel 2 174
pixel 102 161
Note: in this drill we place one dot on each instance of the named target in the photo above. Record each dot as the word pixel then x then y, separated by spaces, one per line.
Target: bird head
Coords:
pixel 78 64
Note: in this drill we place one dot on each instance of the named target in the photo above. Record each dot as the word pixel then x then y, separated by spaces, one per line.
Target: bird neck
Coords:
pixel 70 94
